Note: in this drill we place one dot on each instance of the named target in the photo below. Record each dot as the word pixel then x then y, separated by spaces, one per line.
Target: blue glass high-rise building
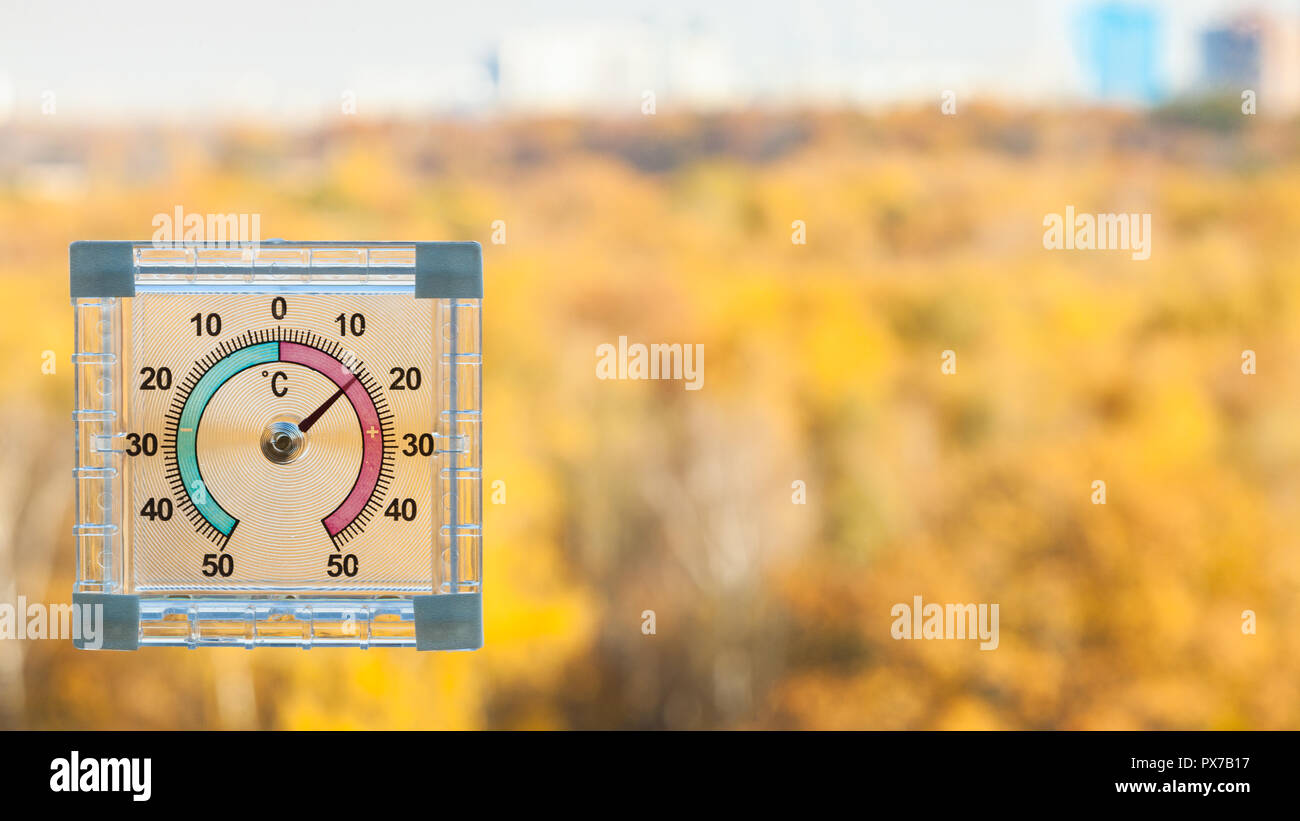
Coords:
pixel 1120 45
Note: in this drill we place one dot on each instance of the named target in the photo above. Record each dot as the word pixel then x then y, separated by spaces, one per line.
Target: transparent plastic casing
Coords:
pixel 338 554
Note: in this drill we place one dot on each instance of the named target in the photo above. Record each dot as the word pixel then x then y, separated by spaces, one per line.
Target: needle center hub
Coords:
pixel 282 442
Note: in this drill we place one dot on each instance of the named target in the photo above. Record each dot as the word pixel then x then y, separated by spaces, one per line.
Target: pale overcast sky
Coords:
pixel 297 60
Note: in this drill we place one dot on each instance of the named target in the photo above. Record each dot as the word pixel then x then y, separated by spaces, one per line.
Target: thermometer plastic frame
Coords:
pixel 449 617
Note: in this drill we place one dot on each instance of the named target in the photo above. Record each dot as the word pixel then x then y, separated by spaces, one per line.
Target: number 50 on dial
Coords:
pixel 279 444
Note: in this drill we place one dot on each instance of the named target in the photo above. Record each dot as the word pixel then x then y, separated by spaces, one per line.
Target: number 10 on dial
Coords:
pixel 279 444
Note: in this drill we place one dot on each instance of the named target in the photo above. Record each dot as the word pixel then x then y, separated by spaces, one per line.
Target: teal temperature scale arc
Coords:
pixel 187 459
pixel 372 476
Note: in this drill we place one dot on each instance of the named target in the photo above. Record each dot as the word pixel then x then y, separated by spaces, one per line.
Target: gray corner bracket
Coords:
pixel 102 269
pixel 448 621
pixel 448 269
pixel 113 621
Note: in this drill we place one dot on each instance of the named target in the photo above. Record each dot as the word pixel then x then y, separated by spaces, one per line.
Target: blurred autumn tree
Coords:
pixel 924 234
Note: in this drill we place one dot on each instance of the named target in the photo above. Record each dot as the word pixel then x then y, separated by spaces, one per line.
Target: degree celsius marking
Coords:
pixel 253 349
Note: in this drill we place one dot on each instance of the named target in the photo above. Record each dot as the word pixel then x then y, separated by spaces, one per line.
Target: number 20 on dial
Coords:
pixel 279 444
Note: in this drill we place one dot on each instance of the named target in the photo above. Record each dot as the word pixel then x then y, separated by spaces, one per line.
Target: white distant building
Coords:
pixel 588 68
pixel 1279 91
pixel 701 73
pixel 606 68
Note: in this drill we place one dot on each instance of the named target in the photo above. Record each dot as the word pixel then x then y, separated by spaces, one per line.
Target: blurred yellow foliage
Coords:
pixel 822 366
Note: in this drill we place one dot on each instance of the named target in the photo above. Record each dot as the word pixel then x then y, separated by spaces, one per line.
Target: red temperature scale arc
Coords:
pixel 264 348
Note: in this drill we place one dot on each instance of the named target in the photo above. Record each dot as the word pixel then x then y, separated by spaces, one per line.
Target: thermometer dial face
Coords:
pixel 286 441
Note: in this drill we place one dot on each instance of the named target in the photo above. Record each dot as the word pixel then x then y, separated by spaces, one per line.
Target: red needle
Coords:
pixel 319 412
